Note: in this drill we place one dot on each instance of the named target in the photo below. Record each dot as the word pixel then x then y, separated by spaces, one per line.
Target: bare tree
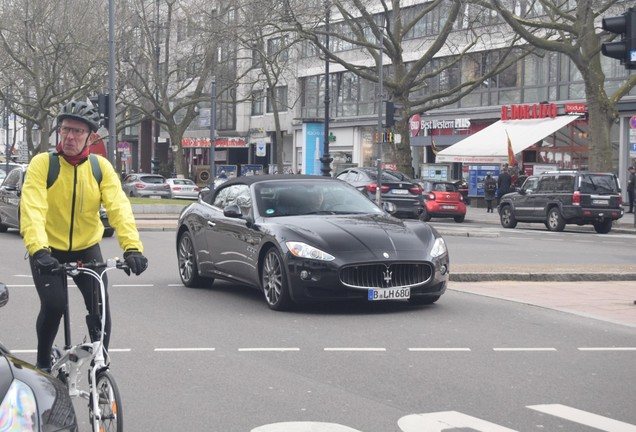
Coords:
pixel 44 61
pixel 264 33
pixel 410 62
pixel 166 79
pixel 573 29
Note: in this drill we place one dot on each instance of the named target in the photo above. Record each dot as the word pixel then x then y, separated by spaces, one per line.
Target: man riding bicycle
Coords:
pixel 60 223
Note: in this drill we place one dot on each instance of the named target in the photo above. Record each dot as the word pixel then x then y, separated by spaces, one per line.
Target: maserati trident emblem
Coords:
pixel 387 275
pixel 385 255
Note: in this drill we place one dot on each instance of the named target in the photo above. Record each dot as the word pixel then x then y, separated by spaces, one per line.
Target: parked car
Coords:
pixel 565 197
pixel 442 200
pixel 10 192
pixel 146 185
pixel 3 169
pixel 462 187
pixel 31 400
pixel 301 239
pixel 183 188
pixel 400 190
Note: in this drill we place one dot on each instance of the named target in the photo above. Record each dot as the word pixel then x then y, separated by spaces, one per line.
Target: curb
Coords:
pixel 540 277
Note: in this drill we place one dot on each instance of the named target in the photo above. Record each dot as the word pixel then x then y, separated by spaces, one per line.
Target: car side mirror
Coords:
pixel 232 211
pixel 389 207
pixel 4 294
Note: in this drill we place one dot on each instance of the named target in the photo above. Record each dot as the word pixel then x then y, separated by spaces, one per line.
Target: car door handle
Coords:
pixel 212 224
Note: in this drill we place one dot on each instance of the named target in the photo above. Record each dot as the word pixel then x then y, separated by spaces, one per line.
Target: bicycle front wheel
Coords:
pixel 109 404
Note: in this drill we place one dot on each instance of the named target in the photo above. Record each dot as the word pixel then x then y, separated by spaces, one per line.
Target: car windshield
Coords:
pixel 598 184
pixel 311 197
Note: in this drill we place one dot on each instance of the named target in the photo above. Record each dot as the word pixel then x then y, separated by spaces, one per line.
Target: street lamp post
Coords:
pixel 378 192
pixel 110 146
pixel 212 134
pixel 155 154
pixel 326 158
pixel 7 149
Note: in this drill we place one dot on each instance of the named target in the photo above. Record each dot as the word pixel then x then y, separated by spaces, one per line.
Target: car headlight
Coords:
pixel 19 410
pixel 439 248
pixel 303 250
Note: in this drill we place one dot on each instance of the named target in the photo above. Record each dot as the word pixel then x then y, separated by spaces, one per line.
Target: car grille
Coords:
pixel 386 275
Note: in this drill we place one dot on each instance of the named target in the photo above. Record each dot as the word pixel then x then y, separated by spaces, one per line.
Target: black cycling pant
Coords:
pixel 53 301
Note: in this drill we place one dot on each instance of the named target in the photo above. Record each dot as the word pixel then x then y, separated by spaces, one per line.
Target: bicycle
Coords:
pixel 104 399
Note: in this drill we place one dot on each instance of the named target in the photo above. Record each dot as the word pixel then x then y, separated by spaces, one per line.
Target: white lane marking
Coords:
pixel 21 286
pixel 304 427
pixel 444 420
pixel 524 349
pixel 439 349
pixel 607 349
pixel 24 351
pixel 112 350
pixel 182 349
pixel 173 285
pixel 585 418
pixel 267 349
pixel 132 285
pixel 354 349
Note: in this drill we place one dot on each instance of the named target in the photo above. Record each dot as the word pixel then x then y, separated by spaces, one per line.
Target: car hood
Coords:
pixel 372 233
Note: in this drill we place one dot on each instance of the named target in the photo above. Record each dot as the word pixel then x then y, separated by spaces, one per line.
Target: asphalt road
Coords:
pixel 217 359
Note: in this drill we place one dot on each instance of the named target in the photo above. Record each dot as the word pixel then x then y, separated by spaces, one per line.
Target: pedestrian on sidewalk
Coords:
pixel 503 183
pixel 631 182
pixel 490 189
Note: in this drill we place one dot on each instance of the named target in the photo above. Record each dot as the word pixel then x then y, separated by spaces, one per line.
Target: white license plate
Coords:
pixel 155 196
pixel 400 191
pixel 389 294
pixel 600 202
pixel 447 207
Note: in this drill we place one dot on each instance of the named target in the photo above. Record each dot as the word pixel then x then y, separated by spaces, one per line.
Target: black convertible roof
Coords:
pixel 249 180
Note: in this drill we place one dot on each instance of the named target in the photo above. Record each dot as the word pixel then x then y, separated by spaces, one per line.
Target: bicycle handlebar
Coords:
pixel 94 265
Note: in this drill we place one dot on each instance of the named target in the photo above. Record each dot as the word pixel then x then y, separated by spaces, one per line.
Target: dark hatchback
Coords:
pixel 10 191
pixel 565 197
pixel 396 188
pixel 301 239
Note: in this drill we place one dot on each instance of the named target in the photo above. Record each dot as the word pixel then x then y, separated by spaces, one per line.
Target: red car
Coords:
pixel 442 199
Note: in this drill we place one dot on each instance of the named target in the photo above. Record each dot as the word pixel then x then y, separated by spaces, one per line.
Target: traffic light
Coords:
pixel 393 113
pixel 625 50
pixel 101 102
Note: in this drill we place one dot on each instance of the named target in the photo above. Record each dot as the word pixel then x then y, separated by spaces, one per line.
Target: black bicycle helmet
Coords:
pixel 81 111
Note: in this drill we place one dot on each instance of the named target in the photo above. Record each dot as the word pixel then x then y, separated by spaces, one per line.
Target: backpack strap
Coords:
pixel 97 170
pixel 54 168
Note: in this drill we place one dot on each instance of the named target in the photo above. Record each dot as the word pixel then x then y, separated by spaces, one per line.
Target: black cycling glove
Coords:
pixel 136 261
pixel 44 262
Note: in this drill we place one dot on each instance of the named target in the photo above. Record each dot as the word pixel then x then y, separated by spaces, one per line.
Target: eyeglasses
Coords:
pixel 65 130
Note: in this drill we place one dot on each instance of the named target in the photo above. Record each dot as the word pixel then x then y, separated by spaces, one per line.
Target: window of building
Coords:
pixel 277 49
pixel 258 102
pixel 280 96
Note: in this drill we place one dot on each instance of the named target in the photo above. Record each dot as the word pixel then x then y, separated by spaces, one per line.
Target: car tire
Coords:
pixel 460 219
pixel 188 267
pixel 274 281
pixel 3 228
pixel 507 217
pixel 425 216
pixel 555 221
pixel 131 194
pixel 423 300
pixel 603 227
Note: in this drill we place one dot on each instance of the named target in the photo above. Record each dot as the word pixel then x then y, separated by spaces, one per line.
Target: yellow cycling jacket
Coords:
pixel 66 215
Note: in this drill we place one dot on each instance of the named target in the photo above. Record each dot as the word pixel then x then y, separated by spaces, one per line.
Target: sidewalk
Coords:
pixel 606 294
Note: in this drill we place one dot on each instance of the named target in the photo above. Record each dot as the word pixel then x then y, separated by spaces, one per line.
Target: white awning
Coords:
pixel 490 145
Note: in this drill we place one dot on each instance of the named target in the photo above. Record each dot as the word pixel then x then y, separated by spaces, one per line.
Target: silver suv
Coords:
pixel 565 197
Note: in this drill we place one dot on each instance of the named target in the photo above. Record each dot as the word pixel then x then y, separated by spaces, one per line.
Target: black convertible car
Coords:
pixel 303 239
